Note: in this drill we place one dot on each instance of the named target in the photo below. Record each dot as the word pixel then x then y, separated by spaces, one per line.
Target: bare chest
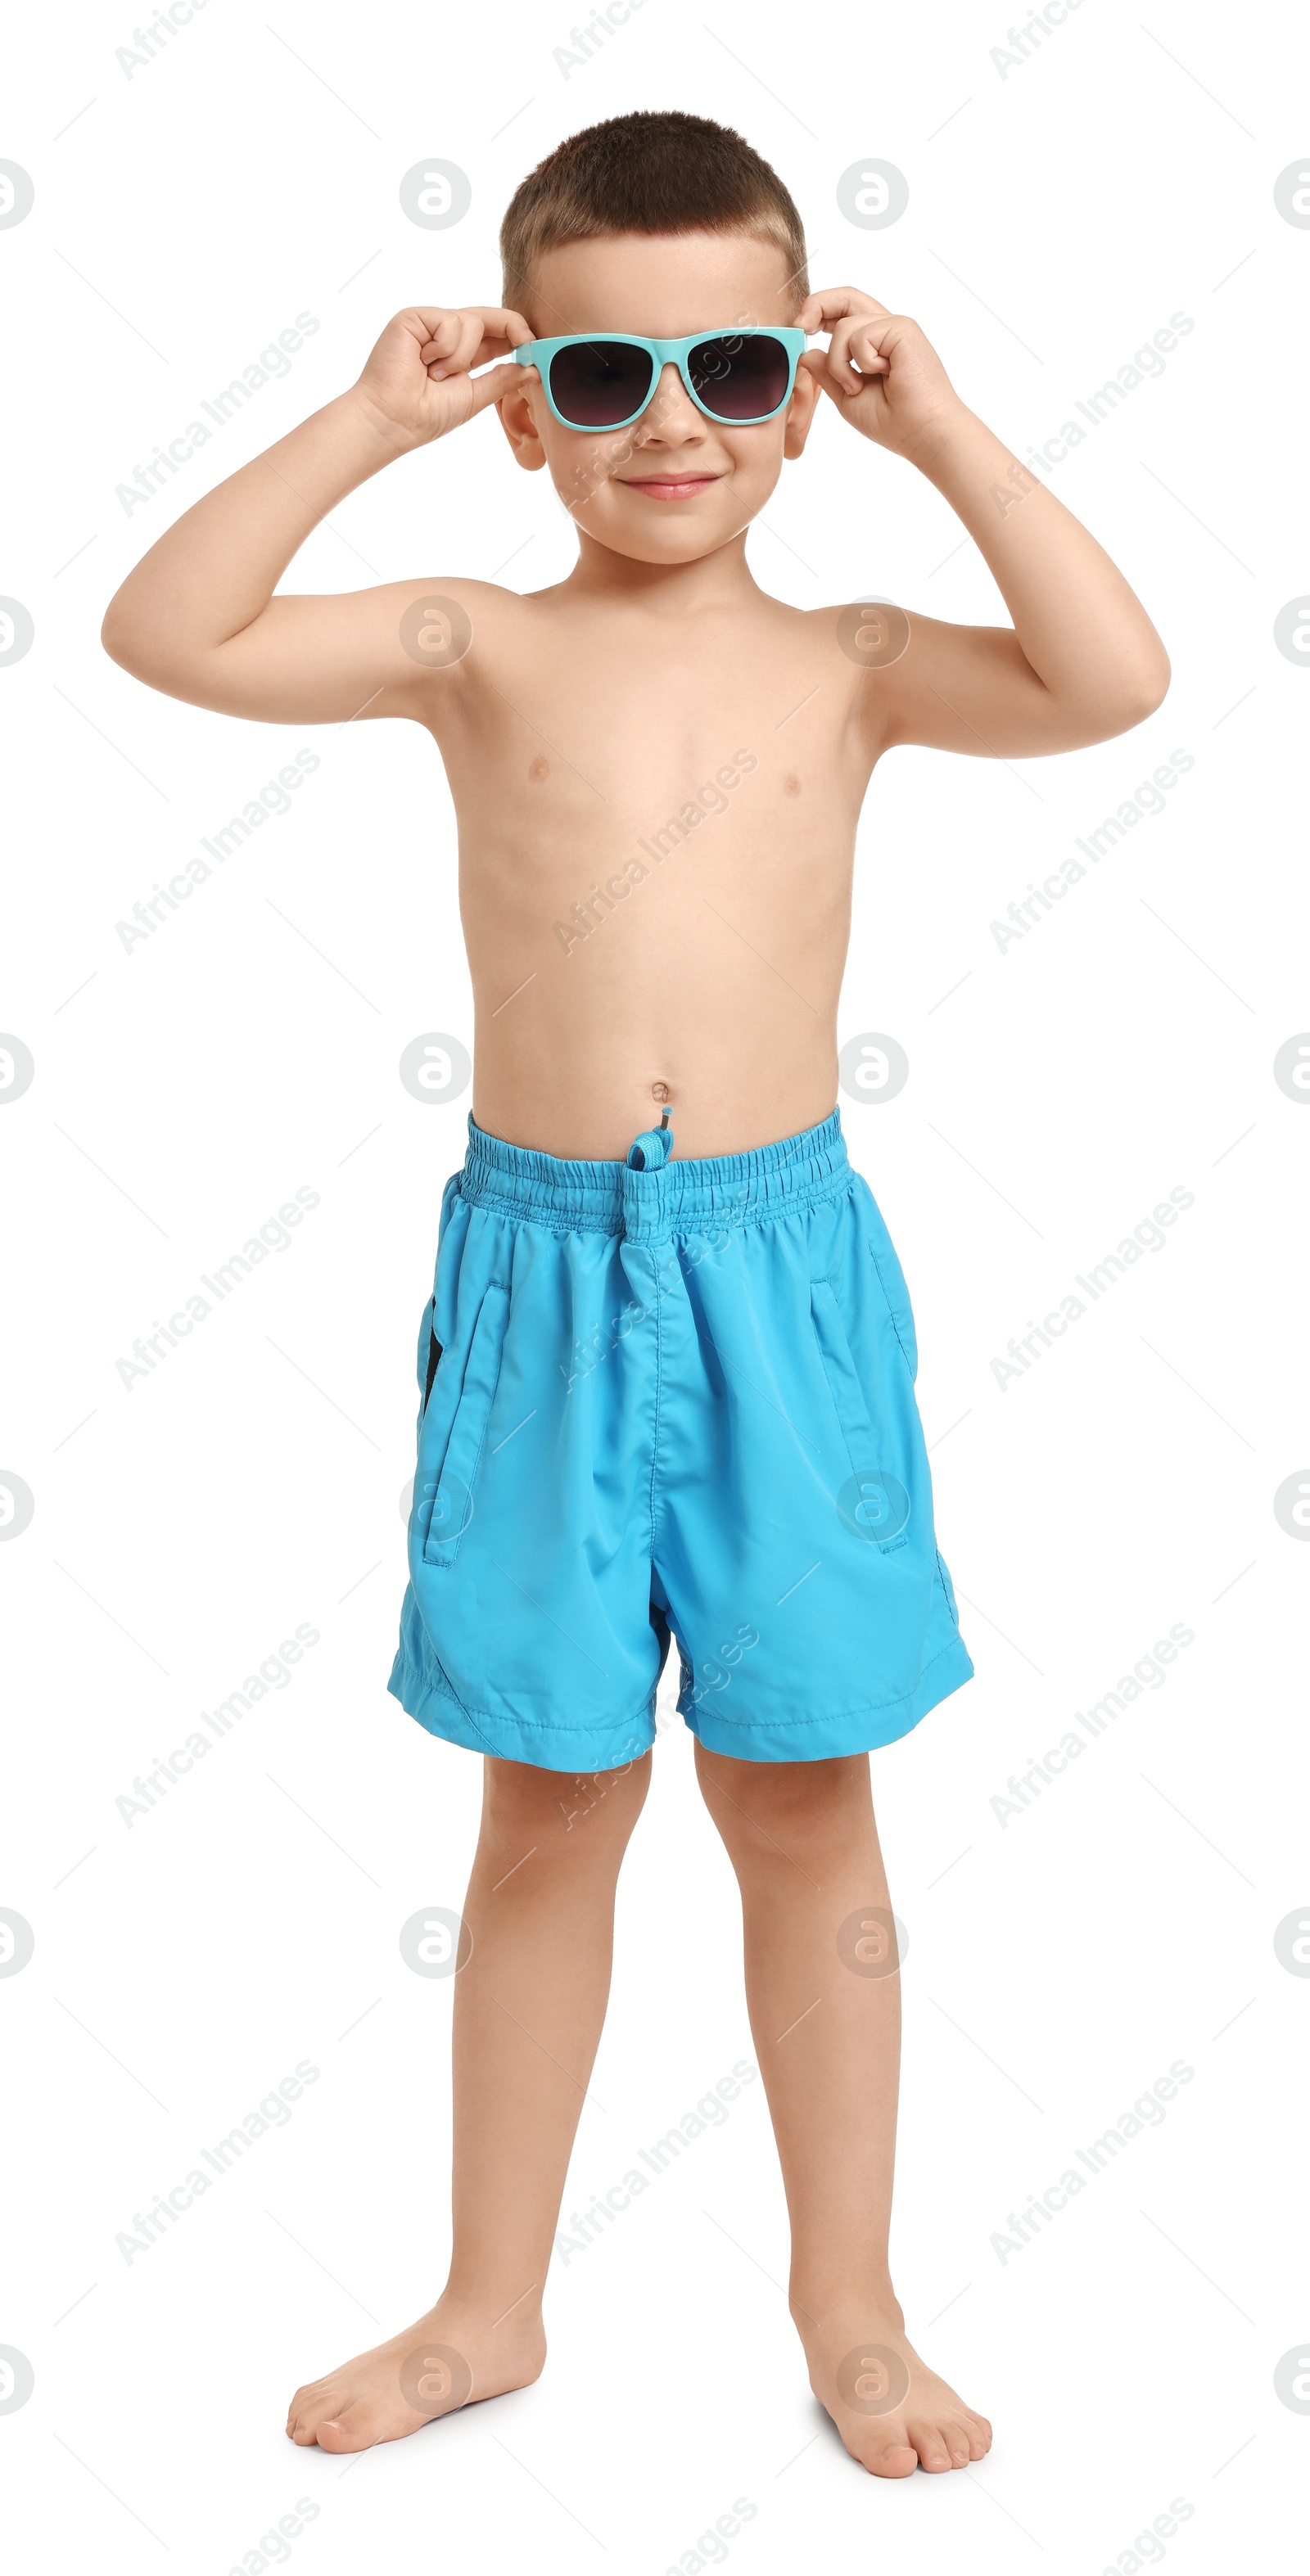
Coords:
pixel 581 745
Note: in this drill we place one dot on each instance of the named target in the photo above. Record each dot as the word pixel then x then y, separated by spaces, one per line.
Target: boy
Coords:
pixel 667 1388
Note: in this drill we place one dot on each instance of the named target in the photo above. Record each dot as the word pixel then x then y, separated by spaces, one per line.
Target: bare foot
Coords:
pixel 893 2413
pixel 453 2356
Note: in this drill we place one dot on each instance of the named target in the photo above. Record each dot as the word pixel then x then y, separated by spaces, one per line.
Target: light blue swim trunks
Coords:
pixel 670 1398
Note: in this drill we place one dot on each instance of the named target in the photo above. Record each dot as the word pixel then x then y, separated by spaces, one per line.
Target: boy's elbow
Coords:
pixel 116 634
pixel 1156 686
pixel 1142 691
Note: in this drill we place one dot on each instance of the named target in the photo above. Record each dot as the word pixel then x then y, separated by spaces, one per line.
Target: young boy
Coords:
pixel 667 1386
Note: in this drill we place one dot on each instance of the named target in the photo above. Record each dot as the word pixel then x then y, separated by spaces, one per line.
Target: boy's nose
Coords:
pixel 671 411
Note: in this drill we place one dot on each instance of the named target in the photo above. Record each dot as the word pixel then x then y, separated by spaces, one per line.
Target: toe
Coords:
pixel 892 2459
pixel 346 2431
pixel 956 2438
pixel 929 2444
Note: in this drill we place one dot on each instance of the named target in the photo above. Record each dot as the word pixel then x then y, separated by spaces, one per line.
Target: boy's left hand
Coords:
pixel 883 374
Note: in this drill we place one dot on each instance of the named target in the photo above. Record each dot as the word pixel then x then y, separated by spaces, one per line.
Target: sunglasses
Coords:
pixel 738 377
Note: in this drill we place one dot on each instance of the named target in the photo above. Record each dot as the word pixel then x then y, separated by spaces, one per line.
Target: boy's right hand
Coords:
pixel 417 380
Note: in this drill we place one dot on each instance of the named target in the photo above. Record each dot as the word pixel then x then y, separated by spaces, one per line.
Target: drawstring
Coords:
pixel 650 1151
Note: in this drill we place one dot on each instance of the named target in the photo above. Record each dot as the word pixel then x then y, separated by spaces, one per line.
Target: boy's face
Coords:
pixel 675 485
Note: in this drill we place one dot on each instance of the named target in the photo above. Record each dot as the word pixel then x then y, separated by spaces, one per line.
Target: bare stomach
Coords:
pixel 713 1002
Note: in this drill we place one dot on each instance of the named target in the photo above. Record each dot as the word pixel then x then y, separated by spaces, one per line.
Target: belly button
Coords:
pixel 660 1091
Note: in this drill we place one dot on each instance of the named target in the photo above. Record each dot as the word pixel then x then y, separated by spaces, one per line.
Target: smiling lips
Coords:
pixel 668 487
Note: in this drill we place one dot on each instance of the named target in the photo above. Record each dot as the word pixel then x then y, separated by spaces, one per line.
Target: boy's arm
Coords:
pixel 1083 660
pixel 198 618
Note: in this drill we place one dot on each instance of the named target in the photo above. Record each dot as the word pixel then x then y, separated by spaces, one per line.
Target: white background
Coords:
pixel 184 1089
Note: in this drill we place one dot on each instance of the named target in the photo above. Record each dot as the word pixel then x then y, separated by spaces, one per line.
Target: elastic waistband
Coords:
pixel 653 1203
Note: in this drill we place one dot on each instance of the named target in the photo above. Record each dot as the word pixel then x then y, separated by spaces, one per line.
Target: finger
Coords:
pixel 844 391
pixel 862 351
pixel 437 333
pixel 493 317
pixel 500 322
pixel 456 356
pixel 855 354
pixel 493 345
pixel 841 376
pixel 456 333
pixel 497 382
pixel 829 303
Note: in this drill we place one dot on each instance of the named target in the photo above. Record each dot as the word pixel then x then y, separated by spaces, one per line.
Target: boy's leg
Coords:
pixel 802 1840
pixel 528 2011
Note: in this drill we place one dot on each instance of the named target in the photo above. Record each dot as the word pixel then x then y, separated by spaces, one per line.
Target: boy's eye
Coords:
pixel 740 379
pixel 595 384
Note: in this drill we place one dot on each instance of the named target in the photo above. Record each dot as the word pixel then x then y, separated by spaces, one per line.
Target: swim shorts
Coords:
pixel 670 1398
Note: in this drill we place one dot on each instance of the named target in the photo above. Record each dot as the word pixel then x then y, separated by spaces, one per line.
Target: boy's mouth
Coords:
pixel 668 487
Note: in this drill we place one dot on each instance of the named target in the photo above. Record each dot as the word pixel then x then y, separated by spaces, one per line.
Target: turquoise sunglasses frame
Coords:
pixel 664 353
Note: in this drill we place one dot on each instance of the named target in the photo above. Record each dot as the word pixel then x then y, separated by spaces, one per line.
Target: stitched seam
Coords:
pixel 947 1590
pixel 841 1421
pixel 830 1285
pixel 554 1221
pixel 444 1564
pixel 864 1708
pixel 655 1431
pixel 891 1311
pixel 444 1688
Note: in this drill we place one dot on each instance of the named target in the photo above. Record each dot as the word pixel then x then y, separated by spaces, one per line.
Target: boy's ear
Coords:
pixel 800 412
pixel 519 425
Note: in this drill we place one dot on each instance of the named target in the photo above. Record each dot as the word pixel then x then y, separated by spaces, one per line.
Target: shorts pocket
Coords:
pixel 434 1362
pixel 890 1278
pixel 872 1503
pixel 896 1298
pixel 451 1435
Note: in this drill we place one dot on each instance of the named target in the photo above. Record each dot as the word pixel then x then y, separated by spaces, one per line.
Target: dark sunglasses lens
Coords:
pixel 595 384
pixel 739 378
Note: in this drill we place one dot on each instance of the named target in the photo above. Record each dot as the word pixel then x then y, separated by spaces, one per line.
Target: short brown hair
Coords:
pixel 655 171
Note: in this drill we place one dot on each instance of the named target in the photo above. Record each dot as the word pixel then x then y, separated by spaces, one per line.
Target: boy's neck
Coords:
pixel 714 580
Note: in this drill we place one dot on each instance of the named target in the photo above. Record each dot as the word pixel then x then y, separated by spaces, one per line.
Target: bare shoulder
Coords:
pixel 449 632
pixel 438 618
pixel 853 647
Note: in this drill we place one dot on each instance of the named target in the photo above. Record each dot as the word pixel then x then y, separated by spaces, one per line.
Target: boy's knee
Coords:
pixel 777 1798
pixel 519 1795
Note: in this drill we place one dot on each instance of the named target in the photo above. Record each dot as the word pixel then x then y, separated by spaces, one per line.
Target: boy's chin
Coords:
pixel 673 537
